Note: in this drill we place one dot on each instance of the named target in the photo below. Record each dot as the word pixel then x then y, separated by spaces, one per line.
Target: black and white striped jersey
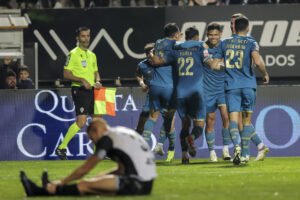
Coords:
pixel 125 145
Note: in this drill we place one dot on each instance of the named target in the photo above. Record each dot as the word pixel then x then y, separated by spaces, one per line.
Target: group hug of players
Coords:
pixel 196 78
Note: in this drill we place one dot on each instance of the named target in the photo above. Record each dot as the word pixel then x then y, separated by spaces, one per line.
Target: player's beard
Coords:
pixel 84 44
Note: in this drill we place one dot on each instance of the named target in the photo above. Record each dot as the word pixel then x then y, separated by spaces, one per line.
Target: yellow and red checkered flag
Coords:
pixel 105 101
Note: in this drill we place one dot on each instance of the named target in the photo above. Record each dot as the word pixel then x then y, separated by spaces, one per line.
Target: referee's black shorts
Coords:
pixel 83 100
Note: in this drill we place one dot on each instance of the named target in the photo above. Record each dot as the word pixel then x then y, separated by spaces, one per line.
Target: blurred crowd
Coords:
pixel 13 4
pixel 14 76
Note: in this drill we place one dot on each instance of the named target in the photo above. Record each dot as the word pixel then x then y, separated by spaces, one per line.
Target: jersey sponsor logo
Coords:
pixel 84 63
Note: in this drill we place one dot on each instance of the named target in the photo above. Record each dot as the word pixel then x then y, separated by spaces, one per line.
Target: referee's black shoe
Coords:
pixel 62 153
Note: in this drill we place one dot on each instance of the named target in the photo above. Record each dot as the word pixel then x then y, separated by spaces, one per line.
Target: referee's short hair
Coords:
pixel 170 29
pixel 79 29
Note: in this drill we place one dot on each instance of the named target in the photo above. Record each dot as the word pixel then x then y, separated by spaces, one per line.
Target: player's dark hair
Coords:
pixel 11 73
pixel 148 47
pixel 171 29
pixel 81 28
pixel 241 24
pixel 214 26
pixel 191 33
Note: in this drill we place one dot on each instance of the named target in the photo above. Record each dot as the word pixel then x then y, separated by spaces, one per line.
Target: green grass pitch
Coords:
pixel 274 178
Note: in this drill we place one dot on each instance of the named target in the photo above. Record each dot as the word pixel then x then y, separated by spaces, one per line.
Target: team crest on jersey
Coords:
pixel 149 72
pixel 205 53
pixel 83 63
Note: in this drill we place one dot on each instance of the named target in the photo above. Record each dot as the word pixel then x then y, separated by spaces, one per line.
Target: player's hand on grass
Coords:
pixel 97 85
pixel 86 84
pixel 266 78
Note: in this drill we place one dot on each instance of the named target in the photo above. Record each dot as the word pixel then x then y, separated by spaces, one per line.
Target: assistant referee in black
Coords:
pixel 81 68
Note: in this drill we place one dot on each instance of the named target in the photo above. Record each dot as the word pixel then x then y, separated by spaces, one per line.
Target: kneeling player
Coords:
pixel 134 175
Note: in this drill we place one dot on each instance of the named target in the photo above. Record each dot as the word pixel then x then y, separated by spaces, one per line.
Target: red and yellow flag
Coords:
pixel 105 101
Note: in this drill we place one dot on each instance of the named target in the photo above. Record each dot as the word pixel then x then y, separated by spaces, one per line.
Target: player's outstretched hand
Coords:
pixel 86 84
pixel 97 85
pixel 266 78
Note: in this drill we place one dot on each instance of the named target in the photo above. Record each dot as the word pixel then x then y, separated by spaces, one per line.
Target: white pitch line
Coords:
pixel 59 42
pixel 44 44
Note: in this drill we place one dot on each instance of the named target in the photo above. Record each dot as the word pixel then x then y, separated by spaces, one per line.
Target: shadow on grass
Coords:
pixel 232 166
pixel 163 163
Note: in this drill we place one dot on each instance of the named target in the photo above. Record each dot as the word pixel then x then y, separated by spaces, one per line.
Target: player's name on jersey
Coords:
pixel 235 46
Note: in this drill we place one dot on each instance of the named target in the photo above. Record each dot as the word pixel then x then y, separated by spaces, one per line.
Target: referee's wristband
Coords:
pixel 141 83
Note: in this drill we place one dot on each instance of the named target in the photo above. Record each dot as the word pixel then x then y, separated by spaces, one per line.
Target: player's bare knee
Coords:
pixel 83 187
pixel 225 122
pixel 210 120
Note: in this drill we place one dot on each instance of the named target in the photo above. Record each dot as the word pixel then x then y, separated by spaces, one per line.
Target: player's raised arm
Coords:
pixel 261 66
